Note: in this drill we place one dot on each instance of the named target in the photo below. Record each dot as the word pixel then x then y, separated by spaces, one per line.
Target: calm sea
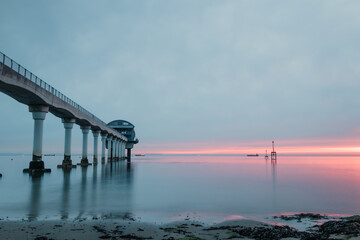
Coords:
pixel 156 188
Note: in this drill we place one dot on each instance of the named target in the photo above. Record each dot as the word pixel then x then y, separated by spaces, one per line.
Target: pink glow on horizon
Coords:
pixel 347 146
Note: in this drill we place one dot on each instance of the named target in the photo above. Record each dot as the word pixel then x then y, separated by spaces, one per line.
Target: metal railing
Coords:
pixel 38 81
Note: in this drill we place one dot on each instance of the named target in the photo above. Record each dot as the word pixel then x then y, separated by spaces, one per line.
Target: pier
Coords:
pixel 25 87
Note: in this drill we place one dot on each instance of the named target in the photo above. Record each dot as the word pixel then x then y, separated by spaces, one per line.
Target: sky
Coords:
pixel 192 76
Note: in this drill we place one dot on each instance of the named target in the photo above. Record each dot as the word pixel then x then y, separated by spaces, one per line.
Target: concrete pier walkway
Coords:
pixel 25 87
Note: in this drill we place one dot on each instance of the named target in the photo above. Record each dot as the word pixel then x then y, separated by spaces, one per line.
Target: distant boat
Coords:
pixel 52 154
pixel 140 155
pixel 252 155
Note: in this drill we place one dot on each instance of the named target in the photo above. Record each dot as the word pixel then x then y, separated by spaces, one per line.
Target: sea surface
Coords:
pixel 162 188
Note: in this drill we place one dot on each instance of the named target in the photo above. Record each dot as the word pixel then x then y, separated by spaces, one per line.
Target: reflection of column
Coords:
pixel 103 142
pixel 94 194
pixel 96 135
pixel 123 173
pixel 274 172
pixel 84 159
pixel 38 113
pixel 83 199
pixel 109 147
pixel 34 206
pixel 274 182
pixel 65 195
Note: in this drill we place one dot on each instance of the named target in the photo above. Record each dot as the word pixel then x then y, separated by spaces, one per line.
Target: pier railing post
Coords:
pixel 39 114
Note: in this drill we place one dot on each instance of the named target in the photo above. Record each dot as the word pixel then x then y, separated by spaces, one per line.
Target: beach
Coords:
pixel 343 228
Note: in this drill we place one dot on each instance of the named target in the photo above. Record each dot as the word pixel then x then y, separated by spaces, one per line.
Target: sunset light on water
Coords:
pixel 285 147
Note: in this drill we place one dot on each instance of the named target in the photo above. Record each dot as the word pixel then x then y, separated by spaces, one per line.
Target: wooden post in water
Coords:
pixel 273 153
pixel 266 156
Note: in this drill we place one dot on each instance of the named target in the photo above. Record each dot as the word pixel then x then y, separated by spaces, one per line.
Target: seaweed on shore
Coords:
pixel 300 216
pixel 117 234
pixel 348 226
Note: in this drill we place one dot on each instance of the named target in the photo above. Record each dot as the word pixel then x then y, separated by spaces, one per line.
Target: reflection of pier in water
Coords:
pixel 119 177
pixel 83 199
pixel 64 209
pixel 35 198
pixel 92 192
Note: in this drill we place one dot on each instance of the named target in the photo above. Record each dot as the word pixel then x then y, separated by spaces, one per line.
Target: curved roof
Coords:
pixel 120 123
pixel 125 128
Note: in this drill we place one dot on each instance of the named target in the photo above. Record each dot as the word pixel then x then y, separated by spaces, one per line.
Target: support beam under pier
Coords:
pixel 113 149
pixel 96 134
pixel 128 155
pixel 84 159
pixel 118 150
pixel 103 143
pixel 68 125
pixel 109 138
pixel 123 150
pixel 39 114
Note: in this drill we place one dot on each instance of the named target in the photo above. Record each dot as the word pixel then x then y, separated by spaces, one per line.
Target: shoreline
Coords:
pixel 342 228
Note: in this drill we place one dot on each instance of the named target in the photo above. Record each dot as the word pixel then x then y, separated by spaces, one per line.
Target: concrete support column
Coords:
pixel 109 138
pixel 129 155
pixel 96 134
pixel 113 149
pixel 38 113
pixel 68 125
pixel 84 158
pixel 103 142
pixel 118 149
pixel 123 150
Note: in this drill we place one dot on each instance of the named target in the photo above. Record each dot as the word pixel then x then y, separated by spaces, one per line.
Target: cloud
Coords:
pixel 228 70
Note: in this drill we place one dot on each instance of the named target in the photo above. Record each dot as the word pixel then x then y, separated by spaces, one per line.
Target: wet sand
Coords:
pixel 125 229
pixel 113 229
